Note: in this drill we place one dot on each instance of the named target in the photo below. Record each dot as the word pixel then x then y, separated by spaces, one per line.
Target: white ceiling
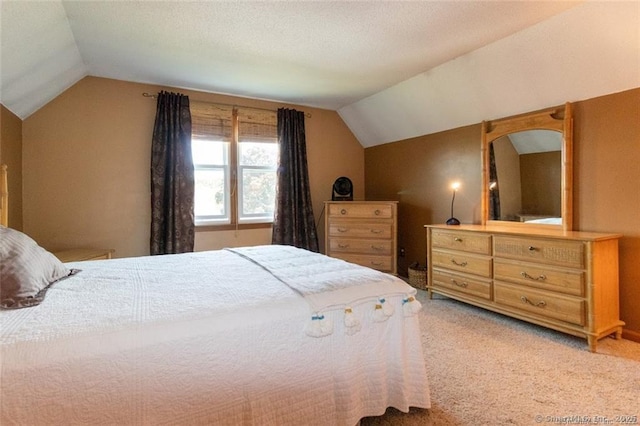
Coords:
pixel 392 69
pixel 535 141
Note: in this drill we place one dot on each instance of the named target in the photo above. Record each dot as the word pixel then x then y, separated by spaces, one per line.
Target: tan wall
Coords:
pixel 606 183
pixel 418 173
pixel 86 167
pixel 509 185
pixel 11 155
pixel 541 175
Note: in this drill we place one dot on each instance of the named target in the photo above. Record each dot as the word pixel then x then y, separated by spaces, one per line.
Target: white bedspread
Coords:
pixel 326 283
pixel 199 338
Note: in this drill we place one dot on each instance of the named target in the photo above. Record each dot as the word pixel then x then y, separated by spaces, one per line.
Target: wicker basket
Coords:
pixel 418 277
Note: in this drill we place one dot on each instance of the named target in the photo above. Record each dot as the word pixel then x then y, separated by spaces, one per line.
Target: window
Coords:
pixel 235 155
pixel 211 166
pixel 257 181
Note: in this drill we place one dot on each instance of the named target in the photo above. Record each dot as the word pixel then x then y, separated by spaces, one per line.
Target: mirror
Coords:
pixel 527 170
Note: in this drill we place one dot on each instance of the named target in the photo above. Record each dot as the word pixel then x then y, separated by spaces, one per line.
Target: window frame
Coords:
pixel 234 193
pixel 251 218
pixel 215 220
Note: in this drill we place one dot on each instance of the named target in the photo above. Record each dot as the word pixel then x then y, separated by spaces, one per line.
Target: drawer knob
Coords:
pixel 343 246
pixel 540 304
pixel 342 229
pixel 462 284
pixel 343 211
pixel 377 212
pixel 532 248
pixel 376 231
pixel 376 263
pixel 458 239
pixel 463 264
pixel 540 277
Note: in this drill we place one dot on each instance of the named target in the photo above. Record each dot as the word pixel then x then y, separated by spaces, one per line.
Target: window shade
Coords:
pixel 211 121
pixel 257 125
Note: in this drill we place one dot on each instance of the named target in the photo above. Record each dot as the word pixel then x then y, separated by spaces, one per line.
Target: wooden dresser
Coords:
pixel 363 232
pixel 567 281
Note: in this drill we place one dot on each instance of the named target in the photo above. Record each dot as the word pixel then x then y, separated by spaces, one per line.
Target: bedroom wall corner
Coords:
pixel 332 151
pixel 11 155
pixel 418 173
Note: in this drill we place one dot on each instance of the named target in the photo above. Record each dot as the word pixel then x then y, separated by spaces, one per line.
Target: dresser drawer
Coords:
pixel 360 230
pixel 541 303
pixel 378 247
pixel 381 263
pixel 462 283
pixel 361 211
pixel 568 281
pixel 554 252
pixel 462 262
pixel 455 240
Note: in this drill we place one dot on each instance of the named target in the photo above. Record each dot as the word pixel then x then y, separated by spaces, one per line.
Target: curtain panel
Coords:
pixel 293 222
pixel 494 190
pixel 172 177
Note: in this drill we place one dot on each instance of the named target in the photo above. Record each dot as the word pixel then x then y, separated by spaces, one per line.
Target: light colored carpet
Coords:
pixel 488 369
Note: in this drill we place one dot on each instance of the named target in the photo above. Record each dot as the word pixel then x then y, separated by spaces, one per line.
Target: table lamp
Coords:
pixel 452 220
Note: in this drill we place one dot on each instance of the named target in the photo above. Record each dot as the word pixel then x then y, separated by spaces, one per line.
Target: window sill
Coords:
pixel 232 227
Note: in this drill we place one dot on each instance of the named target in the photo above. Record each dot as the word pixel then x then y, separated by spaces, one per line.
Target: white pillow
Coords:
pixel 26 270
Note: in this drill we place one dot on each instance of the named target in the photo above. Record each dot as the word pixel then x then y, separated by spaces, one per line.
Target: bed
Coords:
pixel 546 221
pixel 253 335
pixel 541 219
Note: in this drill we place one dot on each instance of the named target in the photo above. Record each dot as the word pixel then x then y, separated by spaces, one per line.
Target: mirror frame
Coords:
pixel 559 119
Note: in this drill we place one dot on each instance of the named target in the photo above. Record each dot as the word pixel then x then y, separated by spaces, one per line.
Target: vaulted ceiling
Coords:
pixel 392 69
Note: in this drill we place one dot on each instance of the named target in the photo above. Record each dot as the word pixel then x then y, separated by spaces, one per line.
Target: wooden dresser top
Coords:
pixel 530 231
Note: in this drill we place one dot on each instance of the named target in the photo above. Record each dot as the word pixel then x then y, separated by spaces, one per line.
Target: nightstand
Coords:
pixel 77 255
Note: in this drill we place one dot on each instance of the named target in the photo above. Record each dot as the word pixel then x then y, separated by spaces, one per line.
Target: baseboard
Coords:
pixel 631 335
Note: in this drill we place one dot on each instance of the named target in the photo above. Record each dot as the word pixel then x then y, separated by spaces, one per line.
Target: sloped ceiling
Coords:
pixel 534 141
pixel 391 69
pixel 39 56
pixel 587 51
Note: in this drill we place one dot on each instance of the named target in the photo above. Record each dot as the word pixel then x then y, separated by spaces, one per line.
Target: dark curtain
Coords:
pixel 494 192
pixel 293 222
pixel 172 177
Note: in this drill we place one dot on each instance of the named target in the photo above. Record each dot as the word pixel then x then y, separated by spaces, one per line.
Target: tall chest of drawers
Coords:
pixel 363 232
pixel 567 281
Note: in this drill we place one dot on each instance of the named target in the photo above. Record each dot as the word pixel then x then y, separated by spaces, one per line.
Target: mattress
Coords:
pixel 212 338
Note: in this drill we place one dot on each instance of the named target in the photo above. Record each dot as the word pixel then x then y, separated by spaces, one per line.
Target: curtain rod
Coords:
pixel 152 96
